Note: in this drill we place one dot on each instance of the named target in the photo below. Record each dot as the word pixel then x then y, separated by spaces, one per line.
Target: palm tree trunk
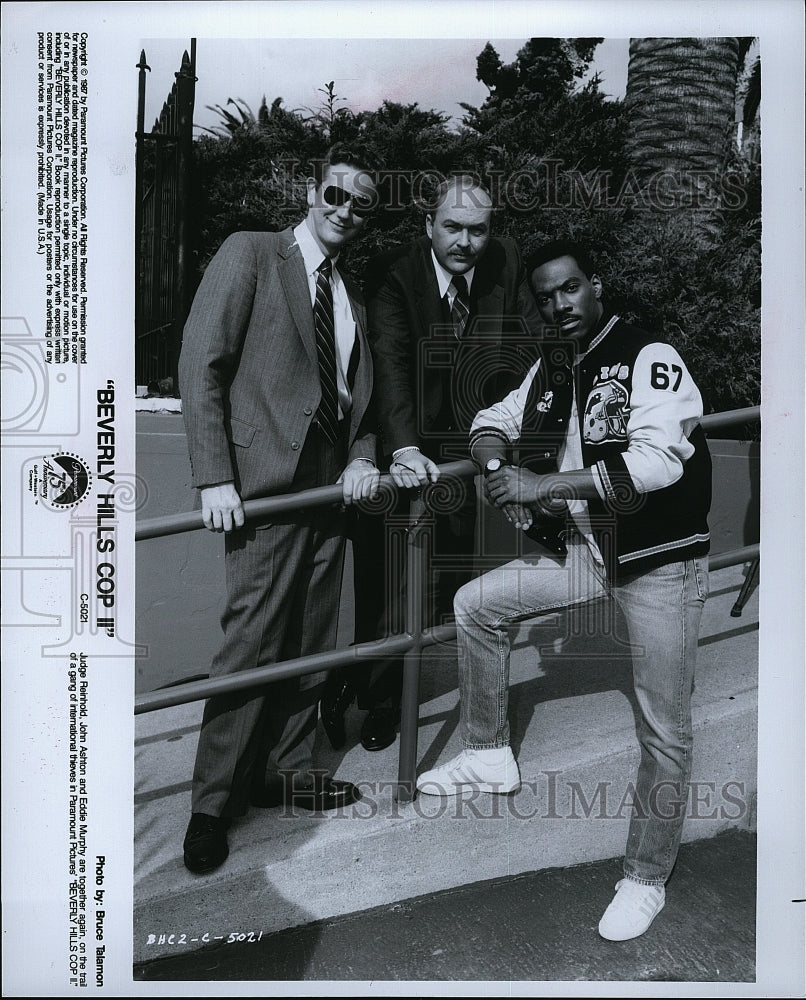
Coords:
pixel 681 100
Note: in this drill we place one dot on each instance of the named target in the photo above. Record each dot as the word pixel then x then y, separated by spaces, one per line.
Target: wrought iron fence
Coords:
pixel 162 254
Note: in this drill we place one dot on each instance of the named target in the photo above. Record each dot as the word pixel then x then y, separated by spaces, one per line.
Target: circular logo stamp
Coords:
pixel 61 482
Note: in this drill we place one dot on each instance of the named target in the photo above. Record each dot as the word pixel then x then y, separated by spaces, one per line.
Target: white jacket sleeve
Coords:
pixel 665 406
pixel 505 419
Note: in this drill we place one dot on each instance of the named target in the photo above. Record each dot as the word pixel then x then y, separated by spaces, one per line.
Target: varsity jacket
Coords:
pixel 639 414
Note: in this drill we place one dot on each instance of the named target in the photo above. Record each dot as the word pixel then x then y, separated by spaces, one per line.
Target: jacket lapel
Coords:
pixel 359 374
pixel 291 269
pixel 486 293
pixel 426 295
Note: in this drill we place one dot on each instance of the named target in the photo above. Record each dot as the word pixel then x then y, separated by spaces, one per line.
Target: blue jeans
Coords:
pixel 662 609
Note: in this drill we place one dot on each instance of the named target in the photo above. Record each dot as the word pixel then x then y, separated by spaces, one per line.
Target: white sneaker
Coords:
pixel 492 770
pixel 632 910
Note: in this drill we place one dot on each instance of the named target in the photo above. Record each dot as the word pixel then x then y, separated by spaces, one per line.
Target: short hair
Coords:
pixel 351 155
pixel 459 182
pixel 561 248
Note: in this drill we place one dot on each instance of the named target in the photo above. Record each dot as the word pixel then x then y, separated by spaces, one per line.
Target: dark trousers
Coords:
pixel 379 560
pixel 283 591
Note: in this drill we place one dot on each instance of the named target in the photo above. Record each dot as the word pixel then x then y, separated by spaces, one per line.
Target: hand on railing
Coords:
pixel 412 469
pixel 222 509
pixel 170 524
pixel 359 481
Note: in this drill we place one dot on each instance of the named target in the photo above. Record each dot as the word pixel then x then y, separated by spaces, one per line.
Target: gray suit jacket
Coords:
pixel 249 372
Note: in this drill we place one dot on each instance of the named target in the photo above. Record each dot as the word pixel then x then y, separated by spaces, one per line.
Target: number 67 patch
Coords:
pixel 663 376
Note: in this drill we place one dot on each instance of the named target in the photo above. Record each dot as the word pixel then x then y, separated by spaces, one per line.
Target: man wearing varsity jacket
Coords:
pixel 615 412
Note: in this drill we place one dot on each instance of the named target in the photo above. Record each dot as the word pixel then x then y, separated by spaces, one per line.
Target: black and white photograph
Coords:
pixel 385 492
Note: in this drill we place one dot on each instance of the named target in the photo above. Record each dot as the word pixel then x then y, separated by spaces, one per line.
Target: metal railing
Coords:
pixel 409 643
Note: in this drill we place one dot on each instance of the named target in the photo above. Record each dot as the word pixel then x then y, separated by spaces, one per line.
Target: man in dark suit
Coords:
pixel 447 316
pixel 276 382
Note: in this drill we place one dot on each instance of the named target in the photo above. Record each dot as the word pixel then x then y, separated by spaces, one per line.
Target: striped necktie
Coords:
pixel 324 326
pixel 460 309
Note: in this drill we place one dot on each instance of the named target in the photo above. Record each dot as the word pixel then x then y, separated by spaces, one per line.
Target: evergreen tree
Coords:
pixel 557 158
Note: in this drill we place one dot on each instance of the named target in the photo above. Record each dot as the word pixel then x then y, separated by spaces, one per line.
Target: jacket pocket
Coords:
pixel 241 433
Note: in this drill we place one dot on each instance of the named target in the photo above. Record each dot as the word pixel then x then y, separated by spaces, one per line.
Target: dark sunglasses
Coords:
pixel 360 205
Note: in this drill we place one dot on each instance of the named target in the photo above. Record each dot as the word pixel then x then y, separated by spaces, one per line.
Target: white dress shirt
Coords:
pixel 344 320
pixel 444 279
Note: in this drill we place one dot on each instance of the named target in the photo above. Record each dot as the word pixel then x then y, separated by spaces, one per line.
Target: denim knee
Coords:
pixel 467 601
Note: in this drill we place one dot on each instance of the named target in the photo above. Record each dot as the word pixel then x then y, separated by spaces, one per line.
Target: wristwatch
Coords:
pixel 492 465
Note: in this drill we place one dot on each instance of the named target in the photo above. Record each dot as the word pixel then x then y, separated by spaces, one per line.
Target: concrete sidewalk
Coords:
pixel 533 928
pixel 572 711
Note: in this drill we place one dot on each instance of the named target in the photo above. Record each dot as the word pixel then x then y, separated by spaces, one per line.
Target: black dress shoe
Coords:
pixel 379 729
pixel 335 701
pixel 205 845
pixel 323 795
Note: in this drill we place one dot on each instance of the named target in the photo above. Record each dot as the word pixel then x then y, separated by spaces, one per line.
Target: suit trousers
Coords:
pixel 283 592
pixel 379 556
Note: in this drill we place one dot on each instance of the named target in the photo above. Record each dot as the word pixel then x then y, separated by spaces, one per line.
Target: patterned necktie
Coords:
pixel 460 309
pixel 324 326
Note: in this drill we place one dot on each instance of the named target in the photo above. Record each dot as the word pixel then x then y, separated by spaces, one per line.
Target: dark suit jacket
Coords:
pixel 417 360
pixel 249 372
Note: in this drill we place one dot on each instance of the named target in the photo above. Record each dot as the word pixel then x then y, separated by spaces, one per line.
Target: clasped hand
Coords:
pixel 511 485
pixel 517 493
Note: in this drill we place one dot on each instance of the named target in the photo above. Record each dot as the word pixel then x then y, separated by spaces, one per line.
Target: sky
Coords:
pixel 436 73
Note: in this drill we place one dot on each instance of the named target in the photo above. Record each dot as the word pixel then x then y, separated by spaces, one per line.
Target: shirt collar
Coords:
pixel 311 251
pixel 444 277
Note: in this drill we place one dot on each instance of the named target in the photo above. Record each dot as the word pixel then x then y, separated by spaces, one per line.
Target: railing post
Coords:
pixel 747 586
pixel 413 624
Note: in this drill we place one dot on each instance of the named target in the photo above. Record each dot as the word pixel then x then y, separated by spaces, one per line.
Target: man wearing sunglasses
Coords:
pixel 276 380
pixel 447 315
